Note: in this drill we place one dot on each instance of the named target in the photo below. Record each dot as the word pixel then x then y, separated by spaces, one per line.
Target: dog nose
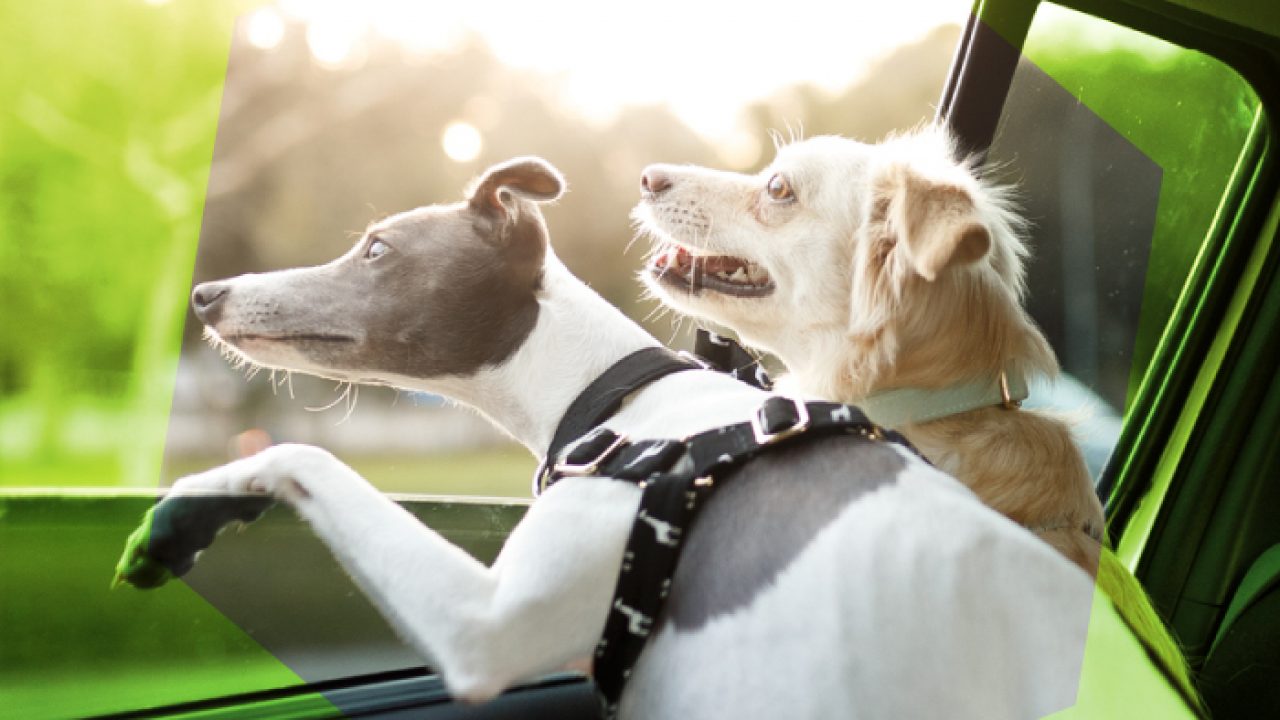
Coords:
pixel 207 299
pixel 654 181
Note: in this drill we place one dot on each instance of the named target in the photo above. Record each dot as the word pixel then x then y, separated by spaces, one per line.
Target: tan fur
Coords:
pixel 1025 465
pixel 897 267
pixel 928 311
pixel 928 261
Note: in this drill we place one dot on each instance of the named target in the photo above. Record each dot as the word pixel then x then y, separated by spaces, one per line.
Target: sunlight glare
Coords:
pixel 705 61
pixel 331 42
pixel 265 28
pixel 740 149
pixel 461 142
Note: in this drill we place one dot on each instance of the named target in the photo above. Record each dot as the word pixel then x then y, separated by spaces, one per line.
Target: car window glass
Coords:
pixel 1123 145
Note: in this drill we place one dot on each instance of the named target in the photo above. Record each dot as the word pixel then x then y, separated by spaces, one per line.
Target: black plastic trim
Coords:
pixel 405 693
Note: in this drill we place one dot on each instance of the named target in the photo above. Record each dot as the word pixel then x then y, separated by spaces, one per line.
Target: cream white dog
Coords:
pixel 890 276
pixel 839 578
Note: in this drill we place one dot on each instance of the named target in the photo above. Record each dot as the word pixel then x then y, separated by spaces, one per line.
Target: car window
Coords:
pixel 1123 145
pixel 449 107
pixel 150 152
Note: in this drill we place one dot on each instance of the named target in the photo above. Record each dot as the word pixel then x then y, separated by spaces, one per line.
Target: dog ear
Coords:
pixel 915 225
pixel 935 222
pixel 501 186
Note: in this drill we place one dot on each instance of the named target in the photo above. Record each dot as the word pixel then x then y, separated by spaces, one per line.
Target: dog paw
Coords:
pixel 279 471
pixel 176 530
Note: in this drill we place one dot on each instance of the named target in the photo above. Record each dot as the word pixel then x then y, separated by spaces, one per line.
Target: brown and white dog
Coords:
pixel 870 268
pixel 890 276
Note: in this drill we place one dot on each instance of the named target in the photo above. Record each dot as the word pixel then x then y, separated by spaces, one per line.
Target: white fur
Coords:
pixel 894 267
pixel 915 601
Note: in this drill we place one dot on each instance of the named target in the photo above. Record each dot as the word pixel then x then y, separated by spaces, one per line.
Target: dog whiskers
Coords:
pixel 341 396
pixel 234 357
pixel 677 327
pixel 794 134
pixel 657 312
pixel 349 396
pixel 353 396
pixel 285 379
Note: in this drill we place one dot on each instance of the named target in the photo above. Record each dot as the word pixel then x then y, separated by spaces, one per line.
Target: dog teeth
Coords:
pixel 743 275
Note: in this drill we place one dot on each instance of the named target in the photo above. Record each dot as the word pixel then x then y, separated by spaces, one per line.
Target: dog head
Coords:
pixel 852 262
pixel 439 290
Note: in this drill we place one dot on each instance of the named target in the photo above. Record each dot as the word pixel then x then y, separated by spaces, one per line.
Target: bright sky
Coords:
pixel 705 59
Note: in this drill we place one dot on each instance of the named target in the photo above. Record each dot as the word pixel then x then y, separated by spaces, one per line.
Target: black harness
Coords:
pixel 676 477
pixel 726 355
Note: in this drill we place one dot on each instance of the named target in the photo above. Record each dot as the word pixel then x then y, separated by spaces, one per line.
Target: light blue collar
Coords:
pixel 903 406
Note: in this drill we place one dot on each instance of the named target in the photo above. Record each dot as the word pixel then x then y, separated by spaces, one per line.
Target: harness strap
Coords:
pixel 602 398
pixel 604 453
pixel 676 476
pixel 726 355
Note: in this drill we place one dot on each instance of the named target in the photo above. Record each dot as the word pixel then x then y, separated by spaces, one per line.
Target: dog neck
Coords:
pixel 898 406
pixel 577 336
pixel 908 406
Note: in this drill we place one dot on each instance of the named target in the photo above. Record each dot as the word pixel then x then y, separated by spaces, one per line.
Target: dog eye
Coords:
pixel 779 188
pixel 376 249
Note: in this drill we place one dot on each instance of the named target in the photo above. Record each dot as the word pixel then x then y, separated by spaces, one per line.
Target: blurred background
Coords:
pixel 148 144
pixel 333 115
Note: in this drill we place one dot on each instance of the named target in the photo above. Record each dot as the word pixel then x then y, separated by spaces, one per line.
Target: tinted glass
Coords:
pixel 1124 146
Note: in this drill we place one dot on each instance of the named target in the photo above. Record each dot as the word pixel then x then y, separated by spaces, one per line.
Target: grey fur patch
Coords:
pixel 764 515
pixel 455 289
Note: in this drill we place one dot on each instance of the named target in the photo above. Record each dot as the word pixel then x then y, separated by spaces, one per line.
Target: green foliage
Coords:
pixel 105 141
pixel 1188 112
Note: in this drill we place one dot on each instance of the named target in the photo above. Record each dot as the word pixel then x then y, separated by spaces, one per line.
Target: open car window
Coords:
pixel 157 159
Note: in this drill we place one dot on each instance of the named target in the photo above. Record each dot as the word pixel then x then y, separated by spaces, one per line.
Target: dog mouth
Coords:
pixel 293 338
pixel 678 268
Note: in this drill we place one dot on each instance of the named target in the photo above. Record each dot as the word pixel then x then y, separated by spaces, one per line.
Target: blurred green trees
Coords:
pixel 106 134
pixel 1189 112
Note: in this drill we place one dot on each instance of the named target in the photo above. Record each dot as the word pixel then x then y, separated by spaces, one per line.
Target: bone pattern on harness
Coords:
pixel 673 476
pixel 726 355
pixel 664 532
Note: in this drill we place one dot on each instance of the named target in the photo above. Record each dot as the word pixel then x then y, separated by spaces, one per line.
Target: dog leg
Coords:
pixel 539 608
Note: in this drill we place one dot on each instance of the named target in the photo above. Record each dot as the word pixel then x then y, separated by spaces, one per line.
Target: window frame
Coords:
pixel 1177 453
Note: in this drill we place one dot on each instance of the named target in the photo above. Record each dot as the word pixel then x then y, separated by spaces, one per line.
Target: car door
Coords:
pixel 1144 136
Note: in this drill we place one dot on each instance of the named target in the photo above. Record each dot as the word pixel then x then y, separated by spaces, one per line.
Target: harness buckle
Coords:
pixel 588 467
pixel 767 430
